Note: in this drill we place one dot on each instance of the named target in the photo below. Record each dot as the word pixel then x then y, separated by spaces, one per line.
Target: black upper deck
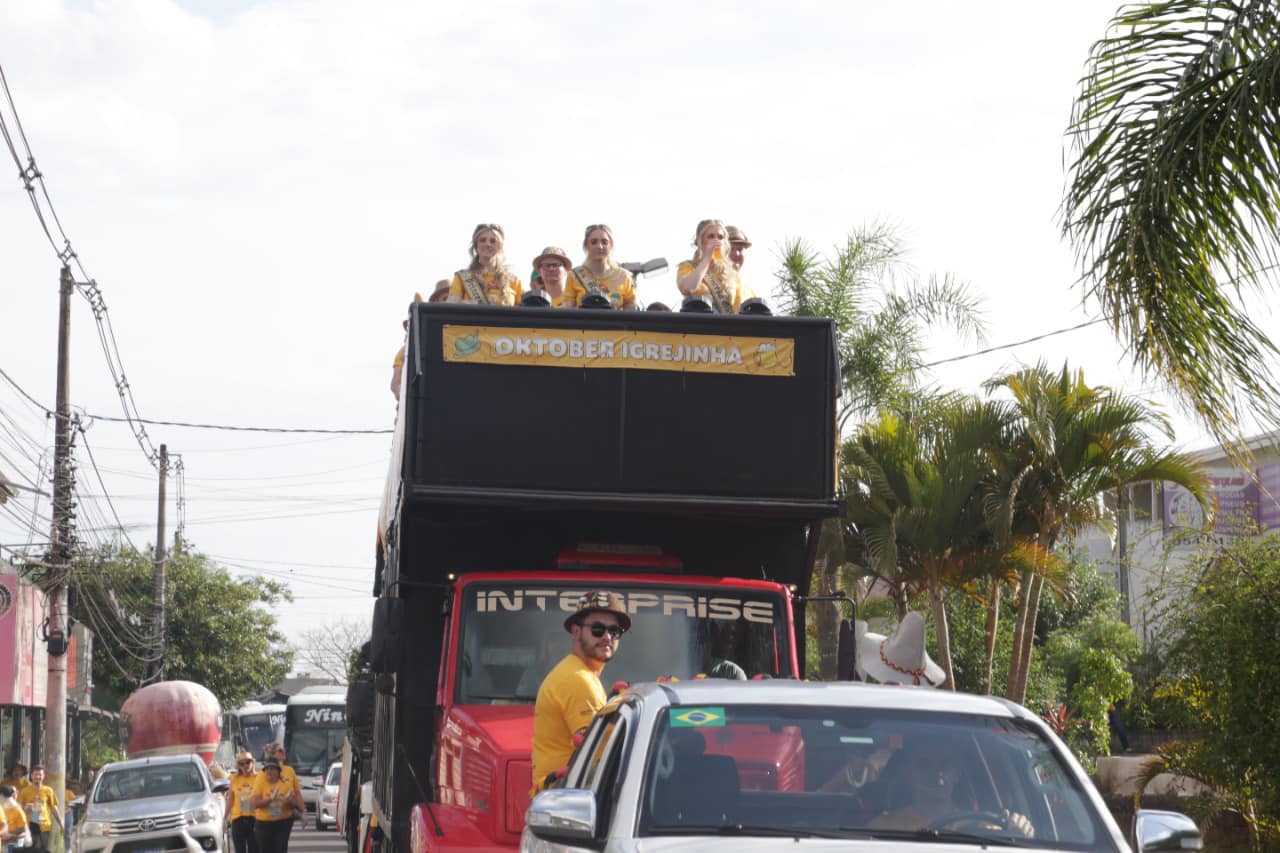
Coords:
pixel 514 433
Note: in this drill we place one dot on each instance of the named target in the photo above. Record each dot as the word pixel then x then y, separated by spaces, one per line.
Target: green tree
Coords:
pixel 917 479
pixel 1074 443
pixel 883 314
pixel 220 631
pixel 1219 632
pixel 1173 194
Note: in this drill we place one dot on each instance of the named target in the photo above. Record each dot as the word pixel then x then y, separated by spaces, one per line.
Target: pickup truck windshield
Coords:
pixel 866 772
pixel 136 783
pixel 511 636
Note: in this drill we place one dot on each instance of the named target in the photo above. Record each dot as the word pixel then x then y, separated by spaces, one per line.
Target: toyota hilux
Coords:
pixel 163 804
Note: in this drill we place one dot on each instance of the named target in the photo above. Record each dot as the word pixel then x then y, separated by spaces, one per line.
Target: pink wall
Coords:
pixel 23 656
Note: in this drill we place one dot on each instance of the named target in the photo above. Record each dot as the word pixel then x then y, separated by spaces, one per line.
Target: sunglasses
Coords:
pixel 598 629
pixel 246 761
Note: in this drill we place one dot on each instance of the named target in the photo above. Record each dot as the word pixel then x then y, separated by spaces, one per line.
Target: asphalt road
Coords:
pixel 309 840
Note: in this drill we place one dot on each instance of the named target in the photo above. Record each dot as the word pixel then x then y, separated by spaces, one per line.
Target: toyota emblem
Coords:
pixel 146 824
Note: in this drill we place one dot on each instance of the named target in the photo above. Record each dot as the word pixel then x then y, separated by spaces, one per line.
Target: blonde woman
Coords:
pixel 487 281
pixel 711 273
pixel 599 274
pixel 239 810
pixel 13 820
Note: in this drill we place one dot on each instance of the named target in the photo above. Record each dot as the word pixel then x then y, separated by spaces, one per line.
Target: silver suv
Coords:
pixel 165 804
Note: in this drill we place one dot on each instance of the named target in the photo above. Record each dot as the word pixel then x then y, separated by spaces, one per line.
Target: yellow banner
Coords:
pixel 620 348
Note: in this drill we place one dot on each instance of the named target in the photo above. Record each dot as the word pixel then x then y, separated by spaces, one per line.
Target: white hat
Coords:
pixel 899 658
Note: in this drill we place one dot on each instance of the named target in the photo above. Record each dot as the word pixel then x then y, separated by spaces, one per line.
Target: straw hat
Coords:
pixel 899 658
pixel 599 602
pixel 553 252
pixel 737 237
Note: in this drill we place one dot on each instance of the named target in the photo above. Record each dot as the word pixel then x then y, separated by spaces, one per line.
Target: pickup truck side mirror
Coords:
pixel 564 815
pixel 846 653
pixel 220 785
pixel 1160 830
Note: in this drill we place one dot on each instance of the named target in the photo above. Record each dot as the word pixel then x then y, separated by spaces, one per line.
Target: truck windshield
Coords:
pixel 512 635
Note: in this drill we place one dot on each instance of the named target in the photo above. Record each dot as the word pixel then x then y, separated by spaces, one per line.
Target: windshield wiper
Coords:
pixel 749 829
pixel 948 836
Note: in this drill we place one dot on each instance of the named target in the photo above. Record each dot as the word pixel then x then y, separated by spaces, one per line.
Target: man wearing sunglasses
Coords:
pixel 572 692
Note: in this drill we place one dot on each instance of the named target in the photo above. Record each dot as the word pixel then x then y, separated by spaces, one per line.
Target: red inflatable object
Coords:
pixel 171 718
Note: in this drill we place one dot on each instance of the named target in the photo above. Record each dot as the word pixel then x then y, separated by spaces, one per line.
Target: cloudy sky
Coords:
pixel 258 188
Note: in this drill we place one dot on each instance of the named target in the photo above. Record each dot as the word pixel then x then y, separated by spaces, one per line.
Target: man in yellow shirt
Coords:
pixel 41 805
pixel 553 267
pixel 571 693
pixel 738 245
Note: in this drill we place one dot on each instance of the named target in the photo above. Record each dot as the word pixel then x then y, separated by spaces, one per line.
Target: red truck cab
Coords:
pixel 684 461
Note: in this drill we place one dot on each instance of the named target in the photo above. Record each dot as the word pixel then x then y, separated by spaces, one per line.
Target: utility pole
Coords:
pixel 55 713
pixel 155 669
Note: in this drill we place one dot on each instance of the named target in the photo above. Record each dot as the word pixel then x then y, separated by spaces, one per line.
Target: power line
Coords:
pixel 1016 343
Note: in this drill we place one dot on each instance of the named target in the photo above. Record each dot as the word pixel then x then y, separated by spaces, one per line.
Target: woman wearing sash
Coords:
pixel 487 281
pixel 711 273
pixel 599 274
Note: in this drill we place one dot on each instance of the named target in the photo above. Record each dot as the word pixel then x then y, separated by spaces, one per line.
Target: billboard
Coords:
pixel 1246 506
pixel 24 660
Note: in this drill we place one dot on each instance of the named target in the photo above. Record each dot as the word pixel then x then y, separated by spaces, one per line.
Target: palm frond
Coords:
pixel 1173 197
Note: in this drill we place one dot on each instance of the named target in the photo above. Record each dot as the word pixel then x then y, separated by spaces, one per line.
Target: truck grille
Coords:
pixel 146 824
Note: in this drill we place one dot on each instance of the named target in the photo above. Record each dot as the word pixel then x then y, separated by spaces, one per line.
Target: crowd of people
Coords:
pixel 712 278
pixel 29 810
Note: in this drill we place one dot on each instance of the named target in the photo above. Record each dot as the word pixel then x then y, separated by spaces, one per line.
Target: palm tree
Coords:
pixel 1075 442
pixel 917 481
pixel 1173 195
pixel 882 315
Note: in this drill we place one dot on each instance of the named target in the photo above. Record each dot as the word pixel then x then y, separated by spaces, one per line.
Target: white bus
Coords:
pixel 314 728
pixel 254 725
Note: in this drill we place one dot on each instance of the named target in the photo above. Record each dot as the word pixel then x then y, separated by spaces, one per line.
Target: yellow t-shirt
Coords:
pixel 17 821
pixel 241 791
pixel 732 285
pixel 618 285
pixel 278 808
pixel 39 804
pixel 18 787
pixel 569 697
pixel 494 293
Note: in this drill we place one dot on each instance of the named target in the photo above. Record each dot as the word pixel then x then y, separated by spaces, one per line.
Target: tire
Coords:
pixel 319 825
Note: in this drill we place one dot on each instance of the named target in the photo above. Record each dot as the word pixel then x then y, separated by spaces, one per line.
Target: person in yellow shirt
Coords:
pixel 599 274
pixel 711 273
pixel 41 805
pixel 13 821
pixel 397 364
pixel 571 693
pixel 238 808
pixel 487 281
pixel 16 778
pixel 553 267
pixel 275 802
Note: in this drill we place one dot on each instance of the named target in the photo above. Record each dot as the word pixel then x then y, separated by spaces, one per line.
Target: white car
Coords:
pixel 746 766
pixel 327 802
pixel 150 805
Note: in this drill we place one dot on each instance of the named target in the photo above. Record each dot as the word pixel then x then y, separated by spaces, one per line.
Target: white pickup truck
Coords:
pixel 742 766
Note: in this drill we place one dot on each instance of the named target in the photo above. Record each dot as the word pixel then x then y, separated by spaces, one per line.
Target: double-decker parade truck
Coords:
pixel 682 460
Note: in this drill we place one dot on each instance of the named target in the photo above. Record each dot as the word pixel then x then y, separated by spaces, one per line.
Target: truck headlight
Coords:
pixel 95 828
pixel 202 815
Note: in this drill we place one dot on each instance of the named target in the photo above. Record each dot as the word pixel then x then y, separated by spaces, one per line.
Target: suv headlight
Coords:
pixel 201 815
pixel 95 827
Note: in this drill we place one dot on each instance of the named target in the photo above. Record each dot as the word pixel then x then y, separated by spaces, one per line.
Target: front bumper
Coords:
pixel 200 838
